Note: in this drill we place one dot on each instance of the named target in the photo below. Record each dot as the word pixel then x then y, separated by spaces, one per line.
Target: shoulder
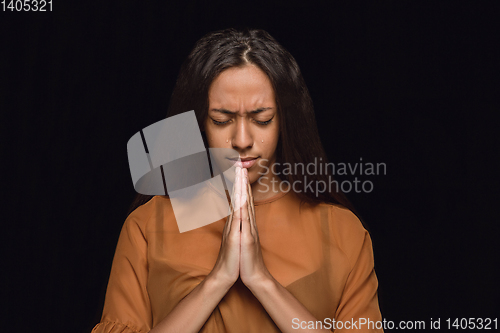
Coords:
pixel 137 220
pixel 155 215
pixel 344 220
pixel 347 231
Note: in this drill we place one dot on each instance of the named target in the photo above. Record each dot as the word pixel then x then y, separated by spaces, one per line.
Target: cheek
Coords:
pixel 270 144
pixel 275 137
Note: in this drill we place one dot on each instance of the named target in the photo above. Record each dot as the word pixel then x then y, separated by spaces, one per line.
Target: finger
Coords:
pixel 234 203
pixel 230 211
pixel 250 210
pixel 249 200
pixel 245 223
pixel 250 196
pixel 241 186
pixel 233 192
pixel 235 225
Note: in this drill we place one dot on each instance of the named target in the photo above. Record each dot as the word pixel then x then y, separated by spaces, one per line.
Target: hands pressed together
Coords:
pixel 240 253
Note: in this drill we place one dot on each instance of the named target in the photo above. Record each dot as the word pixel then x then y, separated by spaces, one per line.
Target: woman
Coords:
pixel 291 258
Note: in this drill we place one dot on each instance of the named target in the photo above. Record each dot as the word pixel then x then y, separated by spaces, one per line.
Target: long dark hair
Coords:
pixel 299 142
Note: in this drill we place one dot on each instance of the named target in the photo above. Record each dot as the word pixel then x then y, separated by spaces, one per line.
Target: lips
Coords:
pixel 246 162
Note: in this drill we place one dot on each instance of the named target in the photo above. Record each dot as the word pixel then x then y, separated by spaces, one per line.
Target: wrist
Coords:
pixel 217 281
pixel 262 284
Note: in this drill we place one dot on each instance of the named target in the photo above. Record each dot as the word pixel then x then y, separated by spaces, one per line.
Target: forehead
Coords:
pixel 241 88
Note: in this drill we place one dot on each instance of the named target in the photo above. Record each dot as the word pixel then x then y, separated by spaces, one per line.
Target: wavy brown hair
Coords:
pixel 299 141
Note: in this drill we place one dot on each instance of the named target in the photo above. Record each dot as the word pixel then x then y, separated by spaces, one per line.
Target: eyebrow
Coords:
pixel 233 112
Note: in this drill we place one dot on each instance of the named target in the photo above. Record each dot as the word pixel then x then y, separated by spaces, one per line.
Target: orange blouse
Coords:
pixel 321 254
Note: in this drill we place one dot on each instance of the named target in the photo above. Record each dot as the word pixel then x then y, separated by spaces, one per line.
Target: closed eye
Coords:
pixel 267 122
pixel 220 123
pixel 264 122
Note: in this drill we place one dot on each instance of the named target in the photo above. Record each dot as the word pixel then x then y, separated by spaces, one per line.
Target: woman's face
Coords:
pixel 242 115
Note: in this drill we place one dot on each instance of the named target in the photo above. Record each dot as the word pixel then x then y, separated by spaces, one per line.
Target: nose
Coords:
pixel 242 136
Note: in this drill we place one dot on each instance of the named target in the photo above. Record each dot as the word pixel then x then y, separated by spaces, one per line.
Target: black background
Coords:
pixel 408 84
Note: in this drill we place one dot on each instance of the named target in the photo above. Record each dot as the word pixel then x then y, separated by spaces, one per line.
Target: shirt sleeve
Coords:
pixel 359 307
pixel 127 307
